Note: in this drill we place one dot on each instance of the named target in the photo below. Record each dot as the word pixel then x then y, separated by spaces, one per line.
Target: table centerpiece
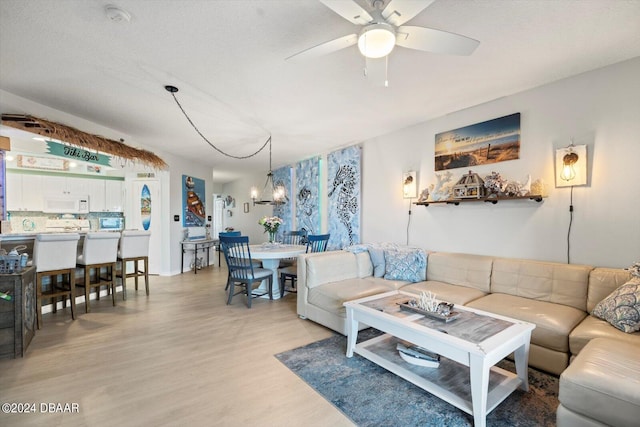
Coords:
pixel 271 225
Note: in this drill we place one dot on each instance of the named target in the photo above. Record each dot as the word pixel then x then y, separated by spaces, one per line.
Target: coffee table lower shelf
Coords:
pixel 450 381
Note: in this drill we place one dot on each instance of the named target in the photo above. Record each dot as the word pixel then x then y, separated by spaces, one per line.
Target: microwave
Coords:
pixel 66 204
pixel 111 223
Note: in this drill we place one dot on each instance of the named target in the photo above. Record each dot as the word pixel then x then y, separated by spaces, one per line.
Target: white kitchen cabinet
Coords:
pixel 96 193
pixel 26 192
pixel 13 192
pixel 23 192
pixel 66 186
pixel 114 196
pixel 106 195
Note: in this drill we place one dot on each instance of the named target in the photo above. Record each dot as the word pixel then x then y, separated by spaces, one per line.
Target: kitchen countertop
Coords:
pixel 32 234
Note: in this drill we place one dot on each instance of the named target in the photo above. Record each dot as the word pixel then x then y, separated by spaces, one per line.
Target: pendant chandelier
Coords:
pixel 271 194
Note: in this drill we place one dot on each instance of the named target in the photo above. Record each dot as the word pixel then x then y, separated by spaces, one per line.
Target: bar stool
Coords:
pixel 55 254
pixel 99 251
pixel 134 246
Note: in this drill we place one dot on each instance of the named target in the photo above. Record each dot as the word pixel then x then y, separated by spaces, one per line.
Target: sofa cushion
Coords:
pixel 472 271
pixel 592 327
pixel 327 267
pixel 553 322
pixel 602 383
pixel 603 281
pixel 405 264
pixel 544 281
pixel 622 307
pixel 445 291
pixel 331 296
pixel 365 267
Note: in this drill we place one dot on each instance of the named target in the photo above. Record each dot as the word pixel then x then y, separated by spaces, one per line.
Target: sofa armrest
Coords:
pixel 301 286
pixel 320 268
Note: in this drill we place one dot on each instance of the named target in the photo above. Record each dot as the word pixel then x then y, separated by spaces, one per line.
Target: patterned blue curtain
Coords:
pixel 282 177
pixel 307 196
pixel 344 198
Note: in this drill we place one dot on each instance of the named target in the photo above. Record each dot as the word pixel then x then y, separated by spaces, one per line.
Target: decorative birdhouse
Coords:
pixel 470 186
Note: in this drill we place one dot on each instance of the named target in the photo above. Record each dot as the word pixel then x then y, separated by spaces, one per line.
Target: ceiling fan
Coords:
pixel 382 30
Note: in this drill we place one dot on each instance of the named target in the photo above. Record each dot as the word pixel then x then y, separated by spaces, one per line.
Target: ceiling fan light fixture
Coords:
pixel 377 40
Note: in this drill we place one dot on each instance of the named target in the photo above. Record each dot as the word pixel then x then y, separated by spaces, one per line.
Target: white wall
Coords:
pixel 599 108
pixel 179 167
pixel 247 223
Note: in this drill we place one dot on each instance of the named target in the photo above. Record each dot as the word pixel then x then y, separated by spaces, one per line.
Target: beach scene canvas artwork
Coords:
pixel 493 141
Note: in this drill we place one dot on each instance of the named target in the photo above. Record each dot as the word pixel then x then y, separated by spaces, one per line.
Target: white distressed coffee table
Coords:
pixel 469 346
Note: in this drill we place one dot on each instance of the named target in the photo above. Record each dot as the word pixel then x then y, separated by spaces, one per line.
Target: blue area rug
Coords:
pixel 371 396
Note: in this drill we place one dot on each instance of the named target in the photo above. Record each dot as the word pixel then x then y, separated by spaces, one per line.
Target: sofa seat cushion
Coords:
pixel 592 327
pixel 603 383
pixel 331 296
pixel 391 285
pixel 553 322
pixel 565 284
pixel 445 291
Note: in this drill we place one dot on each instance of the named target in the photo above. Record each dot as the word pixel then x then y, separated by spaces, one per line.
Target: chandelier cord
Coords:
pixel 268 141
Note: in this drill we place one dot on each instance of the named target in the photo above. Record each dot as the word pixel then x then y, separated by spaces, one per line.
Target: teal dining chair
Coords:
pixel 242 271
pixel 226 234
pixel 295 237
pixel 315 243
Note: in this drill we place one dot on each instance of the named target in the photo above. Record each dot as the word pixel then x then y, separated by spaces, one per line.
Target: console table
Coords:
pixel 195 246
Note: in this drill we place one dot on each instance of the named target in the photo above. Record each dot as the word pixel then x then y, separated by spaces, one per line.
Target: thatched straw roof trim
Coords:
pixel 82 139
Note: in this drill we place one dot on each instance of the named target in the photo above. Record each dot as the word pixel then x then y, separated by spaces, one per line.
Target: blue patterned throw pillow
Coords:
pixel 405 264
pixel 378 261
pixel 622 307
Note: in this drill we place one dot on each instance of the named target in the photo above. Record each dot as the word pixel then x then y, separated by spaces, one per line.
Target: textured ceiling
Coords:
pixel 227 59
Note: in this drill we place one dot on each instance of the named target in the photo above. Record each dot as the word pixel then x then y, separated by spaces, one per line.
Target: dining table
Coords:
pixel 270 254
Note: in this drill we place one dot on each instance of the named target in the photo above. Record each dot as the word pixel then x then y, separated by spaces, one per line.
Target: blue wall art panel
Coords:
pixel 307 197
pixel 343 195
pixel 282 177
pixel 193 199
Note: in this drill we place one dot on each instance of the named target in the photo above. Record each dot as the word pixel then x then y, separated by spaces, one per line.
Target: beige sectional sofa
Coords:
pixel 556 297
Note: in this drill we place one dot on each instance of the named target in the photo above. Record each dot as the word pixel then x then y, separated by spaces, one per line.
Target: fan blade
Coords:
pixel 398 12
pixel 436 41
pixel 325 48
pixel 349 10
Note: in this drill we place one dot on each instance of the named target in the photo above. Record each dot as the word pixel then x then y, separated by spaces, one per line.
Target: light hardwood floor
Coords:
pixel 178 357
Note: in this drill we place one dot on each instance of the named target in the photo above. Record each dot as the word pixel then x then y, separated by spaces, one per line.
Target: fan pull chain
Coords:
pixel 386 71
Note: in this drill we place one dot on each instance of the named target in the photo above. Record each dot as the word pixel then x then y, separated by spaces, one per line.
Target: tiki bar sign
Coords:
pixel 76 153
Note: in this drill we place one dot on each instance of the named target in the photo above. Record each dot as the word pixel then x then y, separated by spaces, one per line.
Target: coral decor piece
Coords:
pixel 442 189
pixel 424 195
pixel 494 183
pixel 427 301
pixel 537 187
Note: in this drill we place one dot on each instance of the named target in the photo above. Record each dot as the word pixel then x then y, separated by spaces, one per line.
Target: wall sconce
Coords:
pixel 571 166
pixel 410 185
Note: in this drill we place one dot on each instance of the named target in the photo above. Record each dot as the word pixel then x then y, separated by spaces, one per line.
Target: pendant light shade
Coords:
pixel 271 194
pixel 377 40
